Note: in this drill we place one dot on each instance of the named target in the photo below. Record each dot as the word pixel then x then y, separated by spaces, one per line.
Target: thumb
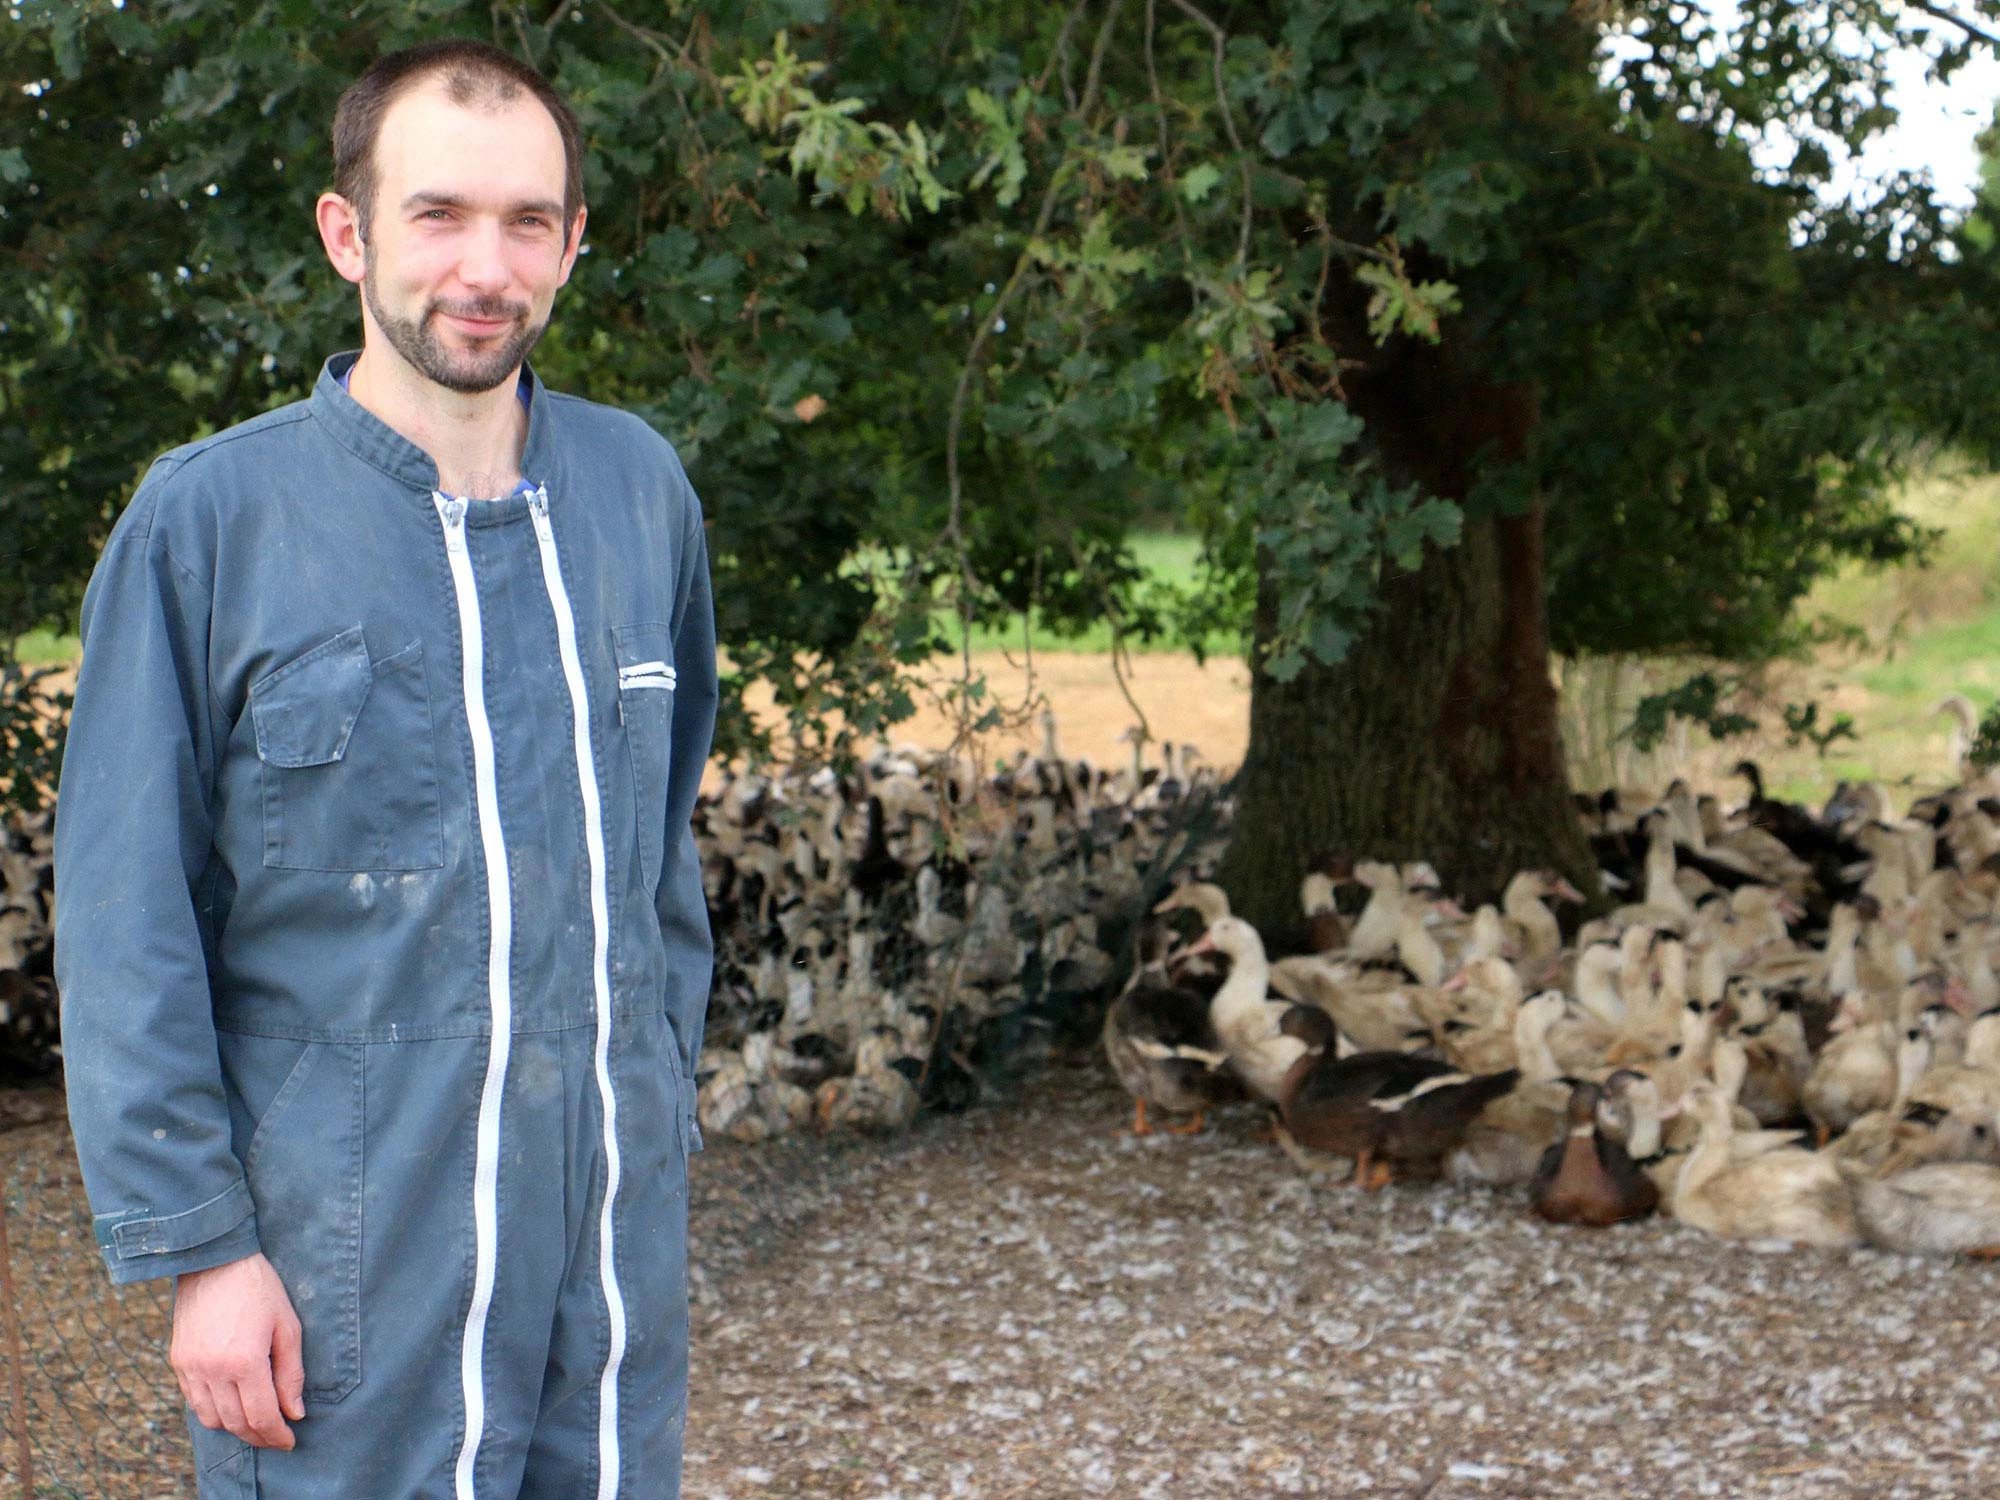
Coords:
pixel 288 1371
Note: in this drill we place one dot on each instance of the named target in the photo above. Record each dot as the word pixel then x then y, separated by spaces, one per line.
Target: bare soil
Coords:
pixel 1185 702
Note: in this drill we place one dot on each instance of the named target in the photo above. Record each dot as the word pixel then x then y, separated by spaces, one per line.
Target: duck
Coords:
pixel 1530 923
pixel 1588 1177
pixel 1374 932
pixel 1505 1142
pixel 1246 1022
pixel 880 1095
pixel 1787 1195
pixel 1161 1042
pixel 1631 1112
pixel 1855 1071
pixel 1945 1208
pixel 1393 1113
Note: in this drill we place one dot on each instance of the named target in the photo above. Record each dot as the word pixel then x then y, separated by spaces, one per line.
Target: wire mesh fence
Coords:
pixel 88 1406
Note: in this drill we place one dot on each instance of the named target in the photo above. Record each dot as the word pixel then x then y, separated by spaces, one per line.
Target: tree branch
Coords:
pixel 1166 149
pixel 556 18
pixel 1061 49
pixel 1090 77
pixel 1938 12
pixel 1221 38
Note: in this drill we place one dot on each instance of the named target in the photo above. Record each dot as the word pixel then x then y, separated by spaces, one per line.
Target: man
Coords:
pixel 383 951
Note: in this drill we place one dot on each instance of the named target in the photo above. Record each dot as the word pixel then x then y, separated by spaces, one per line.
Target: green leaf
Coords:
pixel 1199 180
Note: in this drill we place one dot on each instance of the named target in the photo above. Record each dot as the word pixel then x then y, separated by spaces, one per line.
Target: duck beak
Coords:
pixel 1202 944
pixel 1567 891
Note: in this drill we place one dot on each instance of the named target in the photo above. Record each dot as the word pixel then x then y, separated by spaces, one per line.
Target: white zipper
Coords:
pixel 500 997
pixel 647 674
pixel 600 970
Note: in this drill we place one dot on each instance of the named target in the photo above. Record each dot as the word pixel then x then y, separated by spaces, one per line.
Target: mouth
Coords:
pixel 476 326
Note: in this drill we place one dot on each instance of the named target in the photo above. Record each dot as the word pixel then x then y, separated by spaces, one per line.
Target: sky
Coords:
pixel 1936 128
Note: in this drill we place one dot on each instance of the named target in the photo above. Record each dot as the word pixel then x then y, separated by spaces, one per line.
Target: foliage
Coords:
pixel 1802 726
pixel 1984 752
pixel 34 721
pixel 971 287
pixel 1701 700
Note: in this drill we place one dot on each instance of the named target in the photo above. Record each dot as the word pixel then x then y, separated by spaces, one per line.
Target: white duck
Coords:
pixel 1247 1022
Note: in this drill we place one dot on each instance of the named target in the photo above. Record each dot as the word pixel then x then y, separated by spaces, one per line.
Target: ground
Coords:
pixel 1020 1302
pixel 1023 1303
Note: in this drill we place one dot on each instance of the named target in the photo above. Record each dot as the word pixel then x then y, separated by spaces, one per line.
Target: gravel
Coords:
pixel 1021 1303
pixel 1018 1302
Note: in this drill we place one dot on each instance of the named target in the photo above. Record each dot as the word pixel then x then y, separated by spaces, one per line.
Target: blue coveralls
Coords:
pixel 381 939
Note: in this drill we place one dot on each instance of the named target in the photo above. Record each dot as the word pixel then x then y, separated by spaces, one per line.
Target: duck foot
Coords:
pixel 1380 1174
pixel 1985 1252
pixel 1821 1135
pixel 1364 1167
pixel 1139 1125
pixel 1193 1127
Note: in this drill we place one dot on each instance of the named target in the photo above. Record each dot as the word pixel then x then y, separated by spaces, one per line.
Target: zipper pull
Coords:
pixel 451 512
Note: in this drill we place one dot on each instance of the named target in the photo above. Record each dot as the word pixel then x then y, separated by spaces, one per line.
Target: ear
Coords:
pixel 570 250
pixel 340 233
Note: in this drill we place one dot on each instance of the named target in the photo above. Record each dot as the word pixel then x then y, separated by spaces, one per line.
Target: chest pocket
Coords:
pixel 646 682
pixel 349 766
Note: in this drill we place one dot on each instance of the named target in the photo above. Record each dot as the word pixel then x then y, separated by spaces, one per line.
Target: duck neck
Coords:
pixel 1244 990
pixel 1711 1152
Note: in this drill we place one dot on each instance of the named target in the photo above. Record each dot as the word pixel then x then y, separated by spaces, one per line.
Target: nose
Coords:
pixel 483 264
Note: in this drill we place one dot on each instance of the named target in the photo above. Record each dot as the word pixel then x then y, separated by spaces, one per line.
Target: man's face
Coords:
pixel 466 244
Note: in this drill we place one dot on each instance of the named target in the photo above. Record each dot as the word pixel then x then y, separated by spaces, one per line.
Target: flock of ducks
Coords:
pixel 30 1036
pixel 1788 1032
pixel 886 940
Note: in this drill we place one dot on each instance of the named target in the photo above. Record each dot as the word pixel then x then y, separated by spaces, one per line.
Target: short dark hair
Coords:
pixel 473 72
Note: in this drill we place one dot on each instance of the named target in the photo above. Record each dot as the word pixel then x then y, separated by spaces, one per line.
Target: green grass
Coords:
pixel 43 648
pixel 1164 557
pixel 1927 630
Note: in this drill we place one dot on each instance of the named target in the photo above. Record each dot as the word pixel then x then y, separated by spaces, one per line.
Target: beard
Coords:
pixel 468 372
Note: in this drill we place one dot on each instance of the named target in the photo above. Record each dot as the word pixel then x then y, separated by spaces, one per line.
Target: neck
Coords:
pixel 475 439
pixel 1711 1152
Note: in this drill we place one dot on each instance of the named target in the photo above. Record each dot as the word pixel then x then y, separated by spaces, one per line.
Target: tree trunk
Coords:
pixel 1436 738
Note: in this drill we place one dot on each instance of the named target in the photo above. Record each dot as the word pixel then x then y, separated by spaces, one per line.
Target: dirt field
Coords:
pixel 1206 706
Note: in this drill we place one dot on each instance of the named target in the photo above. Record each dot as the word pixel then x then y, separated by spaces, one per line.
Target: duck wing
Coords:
pixel 1367 1076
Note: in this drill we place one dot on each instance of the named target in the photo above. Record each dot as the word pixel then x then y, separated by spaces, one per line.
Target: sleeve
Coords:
pixel 133 836
pixel 681 902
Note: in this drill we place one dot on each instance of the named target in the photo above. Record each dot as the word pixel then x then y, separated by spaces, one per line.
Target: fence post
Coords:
pixel 10 1345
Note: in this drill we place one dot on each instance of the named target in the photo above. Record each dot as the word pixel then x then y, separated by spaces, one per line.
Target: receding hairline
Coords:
pixel 488 101
pixel 468 74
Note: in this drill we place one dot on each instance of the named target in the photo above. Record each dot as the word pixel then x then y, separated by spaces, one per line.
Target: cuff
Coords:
pixel 139 1245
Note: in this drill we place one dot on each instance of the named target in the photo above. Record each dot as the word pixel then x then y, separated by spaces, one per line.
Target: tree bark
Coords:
pixel 1436 738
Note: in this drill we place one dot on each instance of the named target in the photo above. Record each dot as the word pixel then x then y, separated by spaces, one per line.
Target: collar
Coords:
pixel 381 447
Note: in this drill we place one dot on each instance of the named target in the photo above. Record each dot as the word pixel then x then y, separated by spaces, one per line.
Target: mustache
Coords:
pixel 481 307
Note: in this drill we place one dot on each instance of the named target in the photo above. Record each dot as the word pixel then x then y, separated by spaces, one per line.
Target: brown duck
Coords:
pixel 1588 1177
pixel 1395 1114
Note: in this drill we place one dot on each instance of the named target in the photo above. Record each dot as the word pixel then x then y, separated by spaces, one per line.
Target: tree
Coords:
pixel 1452 332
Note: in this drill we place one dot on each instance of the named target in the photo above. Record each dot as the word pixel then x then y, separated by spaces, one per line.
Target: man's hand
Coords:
pixel 235 1351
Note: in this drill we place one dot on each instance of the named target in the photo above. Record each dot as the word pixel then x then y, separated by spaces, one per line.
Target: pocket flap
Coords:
pixel 306 709
pixel 645 655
